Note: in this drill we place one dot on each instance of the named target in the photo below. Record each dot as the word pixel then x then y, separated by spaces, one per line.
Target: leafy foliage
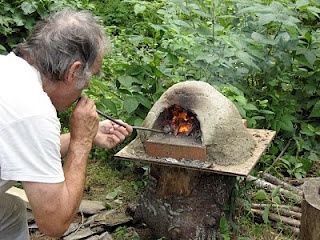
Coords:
pixel 262 55
pixel 18 17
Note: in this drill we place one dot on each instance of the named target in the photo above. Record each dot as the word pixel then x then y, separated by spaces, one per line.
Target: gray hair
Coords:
pixel 61 39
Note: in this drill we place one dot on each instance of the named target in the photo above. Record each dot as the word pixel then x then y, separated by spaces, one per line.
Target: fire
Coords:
pixel 181 121
pixel 185 128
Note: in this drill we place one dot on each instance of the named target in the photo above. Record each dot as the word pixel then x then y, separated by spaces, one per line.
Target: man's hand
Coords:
pixel 111 134
pixel 84 121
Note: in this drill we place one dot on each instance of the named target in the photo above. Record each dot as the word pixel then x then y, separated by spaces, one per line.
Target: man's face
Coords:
pixel 67 92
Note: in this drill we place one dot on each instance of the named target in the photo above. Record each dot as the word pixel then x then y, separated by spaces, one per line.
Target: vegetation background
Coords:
pixel 263 55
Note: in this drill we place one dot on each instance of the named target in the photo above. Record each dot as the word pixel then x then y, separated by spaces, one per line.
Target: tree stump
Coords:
pixel 179 203
pixel 310 224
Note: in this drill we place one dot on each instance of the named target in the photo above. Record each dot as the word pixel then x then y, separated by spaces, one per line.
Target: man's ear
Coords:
pixel 73 73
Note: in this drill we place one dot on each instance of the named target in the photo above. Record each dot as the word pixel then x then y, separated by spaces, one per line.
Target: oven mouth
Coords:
pixel 181 123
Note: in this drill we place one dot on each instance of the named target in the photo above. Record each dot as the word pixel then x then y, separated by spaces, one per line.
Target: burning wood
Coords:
pixel 177 120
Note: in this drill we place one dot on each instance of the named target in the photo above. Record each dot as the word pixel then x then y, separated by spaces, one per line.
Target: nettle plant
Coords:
pixel 263 55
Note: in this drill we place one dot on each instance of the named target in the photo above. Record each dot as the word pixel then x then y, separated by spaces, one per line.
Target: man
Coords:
pixel 44 74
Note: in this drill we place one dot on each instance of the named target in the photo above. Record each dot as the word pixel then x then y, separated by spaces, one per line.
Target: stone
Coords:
pixel 110 218
pixel 91 207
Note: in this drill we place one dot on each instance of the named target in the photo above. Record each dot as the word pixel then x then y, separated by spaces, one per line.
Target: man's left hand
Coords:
pixel 111 134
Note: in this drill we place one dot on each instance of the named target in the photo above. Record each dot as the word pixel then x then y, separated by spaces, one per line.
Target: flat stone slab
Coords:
pixel 91 207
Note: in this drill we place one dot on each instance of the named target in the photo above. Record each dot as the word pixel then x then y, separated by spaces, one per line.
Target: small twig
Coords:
pixel 280 154
pixel 272 179
pixel 279 209
pixel 82 221
pixel 260 183
pixel 276 217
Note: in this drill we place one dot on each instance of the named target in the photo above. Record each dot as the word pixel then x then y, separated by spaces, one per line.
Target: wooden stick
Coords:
pixel 276 217
pixel 276 181
pixel 279 210
pixel 295 230
pixel 260 183
pixel 280 155
pixel 288 207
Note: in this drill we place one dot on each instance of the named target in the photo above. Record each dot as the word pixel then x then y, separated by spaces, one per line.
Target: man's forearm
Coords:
pixel 64 141
pixel 75 171
pixel 54 205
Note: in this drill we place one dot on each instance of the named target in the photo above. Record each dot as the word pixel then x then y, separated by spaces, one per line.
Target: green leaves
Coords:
pixel 29 7
pixel 315 113
pixel 130 104
pixel 261 195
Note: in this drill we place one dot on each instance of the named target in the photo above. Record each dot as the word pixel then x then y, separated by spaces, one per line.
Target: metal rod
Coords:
pixel 110 118
pixel 148 129
pixel 134 127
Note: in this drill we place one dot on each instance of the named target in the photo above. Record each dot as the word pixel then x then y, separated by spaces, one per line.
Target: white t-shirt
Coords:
pixel 29 127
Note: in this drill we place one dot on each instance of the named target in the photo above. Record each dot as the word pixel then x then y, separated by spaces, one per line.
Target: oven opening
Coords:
pixel 179 121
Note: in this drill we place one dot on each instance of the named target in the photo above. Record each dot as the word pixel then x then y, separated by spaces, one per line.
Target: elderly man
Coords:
pixel 44 74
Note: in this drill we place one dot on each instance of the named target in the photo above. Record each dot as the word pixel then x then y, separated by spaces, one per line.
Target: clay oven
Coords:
pixel 218 134
pixel 204 144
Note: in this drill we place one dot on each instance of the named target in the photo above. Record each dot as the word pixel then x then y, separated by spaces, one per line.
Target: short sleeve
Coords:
pixel 30 150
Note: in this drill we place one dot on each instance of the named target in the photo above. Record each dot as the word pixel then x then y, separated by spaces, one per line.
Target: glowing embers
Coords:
pixel 184 138
pixel 179 121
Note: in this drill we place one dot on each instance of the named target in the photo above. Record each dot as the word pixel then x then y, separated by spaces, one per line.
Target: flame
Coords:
pixel 181 121
pixel 185 128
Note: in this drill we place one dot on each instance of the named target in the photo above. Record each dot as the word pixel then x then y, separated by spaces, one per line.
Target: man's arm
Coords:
pixel 108 136
pixel 65 141
pixel 55 205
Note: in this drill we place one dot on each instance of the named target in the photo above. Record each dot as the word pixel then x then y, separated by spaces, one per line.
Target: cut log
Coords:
pixel 310 224
pixel 179 203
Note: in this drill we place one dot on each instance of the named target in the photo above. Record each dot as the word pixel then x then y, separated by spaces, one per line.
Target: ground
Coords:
pixel 112 183
pixel 118 184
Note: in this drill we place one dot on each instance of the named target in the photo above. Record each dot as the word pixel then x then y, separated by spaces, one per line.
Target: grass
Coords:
pixel 117 184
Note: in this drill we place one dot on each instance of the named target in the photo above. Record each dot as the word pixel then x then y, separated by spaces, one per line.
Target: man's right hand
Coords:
pixel 84 120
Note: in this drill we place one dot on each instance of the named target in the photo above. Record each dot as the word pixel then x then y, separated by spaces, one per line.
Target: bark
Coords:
pixel 278 218
pixel 186 204
pixel 310 224
pixel 283 210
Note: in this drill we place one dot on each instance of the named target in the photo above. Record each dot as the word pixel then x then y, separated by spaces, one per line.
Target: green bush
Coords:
pixel 262 55
pixel 18 17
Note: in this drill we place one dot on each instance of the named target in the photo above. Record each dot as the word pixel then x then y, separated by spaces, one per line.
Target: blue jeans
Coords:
pixel 13 220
